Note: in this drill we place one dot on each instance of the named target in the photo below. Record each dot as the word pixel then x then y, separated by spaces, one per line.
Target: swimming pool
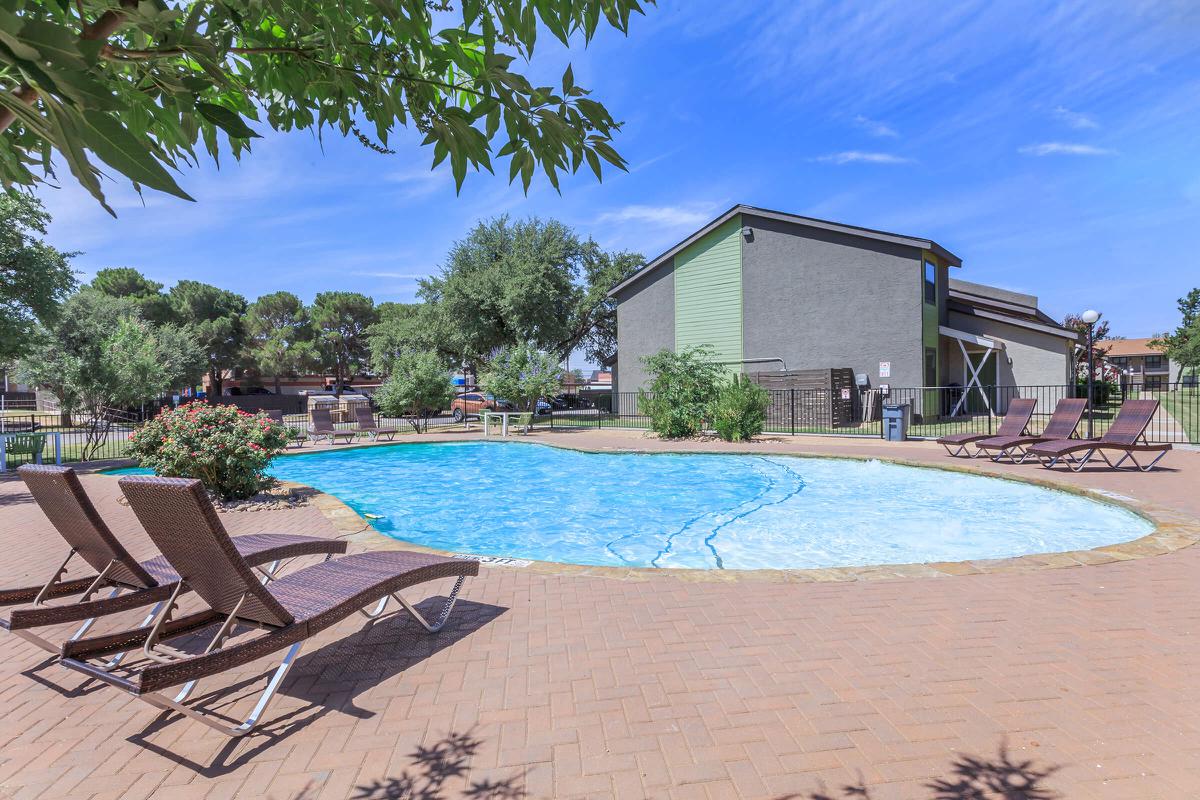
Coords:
pixel 533 501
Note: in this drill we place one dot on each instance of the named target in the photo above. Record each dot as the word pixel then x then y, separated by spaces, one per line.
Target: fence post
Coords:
pixel 792 409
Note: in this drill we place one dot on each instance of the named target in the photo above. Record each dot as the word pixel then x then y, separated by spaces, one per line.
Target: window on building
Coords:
pixel 930 283
pixel 1153 383
pixel 931 367
pixel 1154 362
pixel 1120 361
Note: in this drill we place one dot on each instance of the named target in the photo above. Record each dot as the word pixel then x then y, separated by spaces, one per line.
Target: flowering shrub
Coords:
pixel 226 448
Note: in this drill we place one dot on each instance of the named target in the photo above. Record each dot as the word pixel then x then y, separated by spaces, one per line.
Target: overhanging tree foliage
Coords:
pixel 34 277
pixel 145 85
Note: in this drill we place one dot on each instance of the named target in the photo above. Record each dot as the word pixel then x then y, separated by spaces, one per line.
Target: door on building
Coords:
pixel 974 403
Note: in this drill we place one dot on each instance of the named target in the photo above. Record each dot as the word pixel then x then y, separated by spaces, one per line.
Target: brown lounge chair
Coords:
pixel 60 495
pixel 294 434
pixel 1126 435
pixel 1020 410
pixel 321 427
pixel 366 424
pixel 1062 425
pixel 180 519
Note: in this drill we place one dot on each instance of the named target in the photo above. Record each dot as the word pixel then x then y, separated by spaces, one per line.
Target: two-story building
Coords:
pixel 1141 365
pixel 774 291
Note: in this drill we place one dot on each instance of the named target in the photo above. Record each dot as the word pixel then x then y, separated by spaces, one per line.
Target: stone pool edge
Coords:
pixel 1173 530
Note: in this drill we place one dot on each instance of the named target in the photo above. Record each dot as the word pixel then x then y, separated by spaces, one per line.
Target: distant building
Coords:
pixel 1141 365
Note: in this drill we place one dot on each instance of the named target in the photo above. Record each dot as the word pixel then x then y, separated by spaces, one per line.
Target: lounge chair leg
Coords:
pixel 376 612
pixel 440 622
pixel 175 704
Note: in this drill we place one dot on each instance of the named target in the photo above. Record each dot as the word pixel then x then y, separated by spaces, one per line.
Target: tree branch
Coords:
pixel 104 26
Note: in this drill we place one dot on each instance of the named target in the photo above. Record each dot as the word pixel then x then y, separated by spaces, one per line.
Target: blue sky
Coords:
pixel 1054 147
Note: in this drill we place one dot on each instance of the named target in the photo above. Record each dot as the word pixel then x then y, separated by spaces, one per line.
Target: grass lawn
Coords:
pixel 1184 406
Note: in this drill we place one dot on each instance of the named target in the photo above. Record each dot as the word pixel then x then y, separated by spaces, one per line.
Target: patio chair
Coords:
pixel 180 519
pixel 524 422
pixel 1061 426
pixel 61 497
pixel 1015 422
pixel 1126 435
pixel 366 424
pixel 321 427
pixel 295 435
pixel 29 444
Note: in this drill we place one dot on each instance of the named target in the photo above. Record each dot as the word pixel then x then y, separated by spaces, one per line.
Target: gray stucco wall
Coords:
pixel 822 299
pixel 1037 359
pixel 645 325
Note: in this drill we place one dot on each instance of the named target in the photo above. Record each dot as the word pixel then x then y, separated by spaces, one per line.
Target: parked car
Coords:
pixel 238 391
pixel 565 401
pixel 469 404
pixel 542 407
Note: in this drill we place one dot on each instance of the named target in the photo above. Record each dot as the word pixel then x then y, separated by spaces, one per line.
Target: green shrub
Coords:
pixel 418 388
pixel 522 374
pixel 683 386
pixel 226 448
pixel 740 409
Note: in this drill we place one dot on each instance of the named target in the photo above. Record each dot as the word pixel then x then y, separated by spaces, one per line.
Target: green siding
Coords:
pixel 708 293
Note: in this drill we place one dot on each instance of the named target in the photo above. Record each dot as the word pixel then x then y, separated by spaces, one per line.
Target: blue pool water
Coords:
pixel 699 511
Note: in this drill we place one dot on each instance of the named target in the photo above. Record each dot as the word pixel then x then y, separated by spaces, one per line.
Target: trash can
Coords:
pixel 895 421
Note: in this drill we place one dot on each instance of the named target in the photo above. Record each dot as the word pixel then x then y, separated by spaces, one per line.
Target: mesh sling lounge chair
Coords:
pixel 321 427
pixel 1020 410
pixel 1126 435
pixel 1061 426
pixel 60 495
pixel 366 424
pixel 180 519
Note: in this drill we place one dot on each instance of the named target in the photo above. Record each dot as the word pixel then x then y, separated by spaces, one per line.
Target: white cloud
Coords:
pixel 858 156
pixel 875 127
pixel 689 216
pixel 1064 149
pixel 1076 119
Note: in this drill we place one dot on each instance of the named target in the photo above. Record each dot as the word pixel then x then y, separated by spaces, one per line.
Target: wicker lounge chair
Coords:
pixel 180 519
pixel 1126 435
pixel 366 424
pixel 1062 425
pixel 295 435
pixel 1020 410
pixel 132 584
pixel 321 427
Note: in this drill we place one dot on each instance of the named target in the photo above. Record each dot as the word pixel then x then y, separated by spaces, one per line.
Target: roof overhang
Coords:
pixel 982 313
pixel 972 338
pixel 795 219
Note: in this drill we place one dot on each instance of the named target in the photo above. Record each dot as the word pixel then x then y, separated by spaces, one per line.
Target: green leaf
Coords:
pixel 226 120
pixel 118 148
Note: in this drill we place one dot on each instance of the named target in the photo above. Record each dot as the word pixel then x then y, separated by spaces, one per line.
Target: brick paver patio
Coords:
pixel 1080 683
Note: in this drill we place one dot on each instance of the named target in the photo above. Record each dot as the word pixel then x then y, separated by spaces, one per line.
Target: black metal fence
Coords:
pixel 933 411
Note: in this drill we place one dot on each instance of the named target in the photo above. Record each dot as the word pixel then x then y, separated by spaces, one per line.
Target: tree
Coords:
pixel 155 307
pixel 99 354
pixel 418 387
pixel 34 277
pixel 1183 346
pixel 342 320
pixel 280 340
pixel 401 328
pixel 1099 338
pixel 522 374
pixel 683 386
pixel 527 281
pixel 140 85
pixel 212 317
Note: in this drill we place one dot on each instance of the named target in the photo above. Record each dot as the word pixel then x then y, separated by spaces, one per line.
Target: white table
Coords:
pixel 4 437
pixel 503 415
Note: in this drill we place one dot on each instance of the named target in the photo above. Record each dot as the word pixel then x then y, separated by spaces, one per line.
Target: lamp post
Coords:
pixel 1090 318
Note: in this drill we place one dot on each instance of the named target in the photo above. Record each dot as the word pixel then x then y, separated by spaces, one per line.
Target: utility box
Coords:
pixel 895 421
